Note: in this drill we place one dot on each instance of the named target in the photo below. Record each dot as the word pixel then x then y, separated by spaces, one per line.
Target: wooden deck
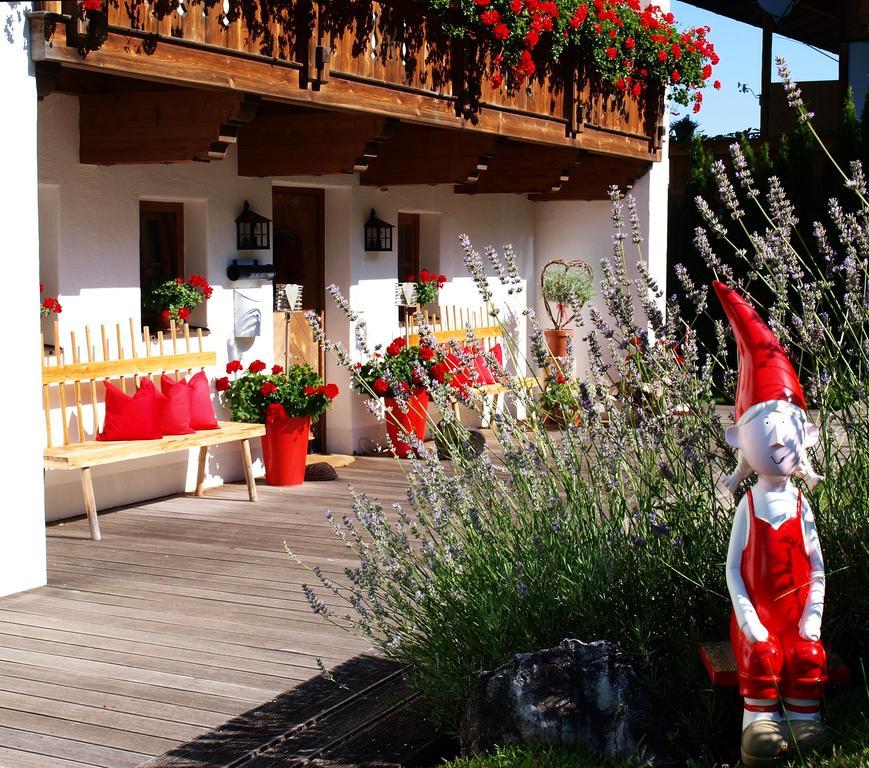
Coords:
pixel 187 614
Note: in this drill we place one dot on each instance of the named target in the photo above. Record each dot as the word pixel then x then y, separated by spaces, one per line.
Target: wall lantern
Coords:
pixel 378 234
pixel 253 230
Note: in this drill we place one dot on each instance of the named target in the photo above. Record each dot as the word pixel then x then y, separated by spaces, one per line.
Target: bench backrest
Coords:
pixel 70 372
pixel 451 322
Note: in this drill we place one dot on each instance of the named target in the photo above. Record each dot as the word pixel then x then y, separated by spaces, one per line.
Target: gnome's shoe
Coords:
pixel 808 734
pixel 763 744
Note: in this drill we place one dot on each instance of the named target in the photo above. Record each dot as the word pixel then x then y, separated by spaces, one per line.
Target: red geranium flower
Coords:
pixel 380 386
pixel 662 55
pixel 256 366
pixel 490 18
pixel 184 313
pixel 221 384
pixel 501 31
pixel 496 80
pixel 717 85
pixel 92 5
pixel 637 90
pixel 611 53
pixel 179 280
pixel 165 316
pixel 675 76
pixel 331 391
pixel 310 391
pixel 629 43
pixel 234 366
pixel 426 354
pixel 276 369
pixel 268 388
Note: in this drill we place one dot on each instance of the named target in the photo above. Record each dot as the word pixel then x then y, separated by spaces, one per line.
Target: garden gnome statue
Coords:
pixel 775 573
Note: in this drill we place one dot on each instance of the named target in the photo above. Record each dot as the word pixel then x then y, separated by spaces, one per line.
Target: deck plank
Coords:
pixel 189 613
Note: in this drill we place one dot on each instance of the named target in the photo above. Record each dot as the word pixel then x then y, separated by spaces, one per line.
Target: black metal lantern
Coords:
pixel 253 230
pixel 378 234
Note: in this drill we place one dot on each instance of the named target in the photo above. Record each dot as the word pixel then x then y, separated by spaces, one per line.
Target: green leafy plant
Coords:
pixel 254 396
pixel 568 286
pixel 174 299
pixel 559 401
pixel 397 373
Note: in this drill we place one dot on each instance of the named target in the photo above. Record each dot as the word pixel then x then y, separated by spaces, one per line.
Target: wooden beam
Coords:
pixel 419 155
pixel 313 142
pixel 524 168
pixel 591 178
pixel 176 125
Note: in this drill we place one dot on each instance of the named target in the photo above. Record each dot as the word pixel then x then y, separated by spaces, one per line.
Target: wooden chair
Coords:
pixel 69 383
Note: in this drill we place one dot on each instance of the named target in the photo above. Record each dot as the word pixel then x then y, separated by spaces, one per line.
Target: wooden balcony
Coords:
pixel 385 60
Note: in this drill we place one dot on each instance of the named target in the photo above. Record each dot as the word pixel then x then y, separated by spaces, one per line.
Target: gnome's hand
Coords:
pixel 754 630
pixel 810 627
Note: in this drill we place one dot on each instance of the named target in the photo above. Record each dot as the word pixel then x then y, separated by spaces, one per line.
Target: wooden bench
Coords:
pixel 451 324
pixel 69 384
pixel 717 657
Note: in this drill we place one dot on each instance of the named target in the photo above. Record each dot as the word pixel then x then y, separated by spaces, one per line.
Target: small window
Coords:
pixel 161 247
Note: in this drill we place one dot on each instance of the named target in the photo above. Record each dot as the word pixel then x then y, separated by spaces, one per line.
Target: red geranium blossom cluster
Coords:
pixel 91 5
pixel 403 368
pixel 255 396
pixel 630 46
pixel 174 299
pixel 427 285
pixel 48 304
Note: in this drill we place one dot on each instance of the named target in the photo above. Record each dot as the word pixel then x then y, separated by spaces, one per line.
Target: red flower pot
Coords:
pixel 285 448
pixel 413 422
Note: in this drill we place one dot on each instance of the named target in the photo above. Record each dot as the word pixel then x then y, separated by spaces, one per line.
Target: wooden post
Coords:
pixel 248 469
pixel 765 75
pixel 90 503
pixel 200 470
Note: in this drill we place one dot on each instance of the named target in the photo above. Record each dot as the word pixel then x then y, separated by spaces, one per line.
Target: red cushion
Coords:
pixel 459 375
pixel 201 408
pixel 174 405
pixel 135 417
pixel 484 375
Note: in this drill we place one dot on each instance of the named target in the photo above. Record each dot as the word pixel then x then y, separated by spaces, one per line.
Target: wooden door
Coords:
pixel 299 257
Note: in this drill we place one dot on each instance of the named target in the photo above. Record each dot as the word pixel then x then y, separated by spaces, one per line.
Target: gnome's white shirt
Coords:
pixel 773 437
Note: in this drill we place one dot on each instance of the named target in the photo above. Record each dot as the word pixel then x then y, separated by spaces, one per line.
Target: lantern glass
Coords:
pixel 378 234
pixel 253 230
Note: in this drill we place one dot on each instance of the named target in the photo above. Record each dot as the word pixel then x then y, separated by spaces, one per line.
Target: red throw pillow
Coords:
pixel 459 375
pixel 135 417
pixel 201 408
pixel 484 374
pixel 174 405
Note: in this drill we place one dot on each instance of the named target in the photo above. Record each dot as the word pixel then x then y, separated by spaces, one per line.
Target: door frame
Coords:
pixel 320 428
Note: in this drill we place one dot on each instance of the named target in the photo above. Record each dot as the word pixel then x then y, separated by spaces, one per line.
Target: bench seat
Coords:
pixel 94 453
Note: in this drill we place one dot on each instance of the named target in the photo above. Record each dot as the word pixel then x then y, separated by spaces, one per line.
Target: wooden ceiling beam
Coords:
pixel 165 126
pixel 524 168
pixel 418 155
pixel 592 177
pixel 311 143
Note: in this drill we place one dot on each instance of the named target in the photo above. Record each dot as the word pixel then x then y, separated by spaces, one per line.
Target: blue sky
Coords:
pixel 739 46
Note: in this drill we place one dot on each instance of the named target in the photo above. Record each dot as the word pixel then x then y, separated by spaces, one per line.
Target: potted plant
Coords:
pixel 427 286
pixel 566 287
pixel 559 402
pixel 173 299
pixel 286 402
pixel 399 377
pixel 48 304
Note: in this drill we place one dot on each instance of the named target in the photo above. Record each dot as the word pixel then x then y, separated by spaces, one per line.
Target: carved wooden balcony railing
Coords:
pixel 385 58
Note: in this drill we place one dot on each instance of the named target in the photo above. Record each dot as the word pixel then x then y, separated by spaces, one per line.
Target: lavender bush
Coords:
pixel 616 527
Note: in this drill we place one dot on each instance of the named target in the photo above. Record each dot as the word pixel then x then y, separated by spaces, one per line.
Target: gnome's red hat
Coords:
pixel 765 373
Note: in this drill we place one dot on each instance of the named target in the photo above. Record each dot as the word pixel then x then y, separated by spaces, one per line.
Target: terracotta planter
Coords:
pixel 413 422
pixel 556 340
pixel 285 448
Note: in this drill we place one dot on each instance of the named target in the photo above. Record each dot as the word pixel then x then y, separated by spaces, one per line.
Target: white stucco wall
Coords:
pixel 22 534
pixel 89 224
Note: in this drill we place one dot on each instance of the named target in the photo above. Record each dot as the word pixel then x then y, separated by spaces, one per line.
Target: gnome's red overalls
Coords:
pixel 777 573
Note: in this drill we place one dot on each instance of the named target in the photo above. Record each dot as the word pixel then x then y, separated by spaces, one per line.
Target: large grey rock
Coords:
pixel 576 694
